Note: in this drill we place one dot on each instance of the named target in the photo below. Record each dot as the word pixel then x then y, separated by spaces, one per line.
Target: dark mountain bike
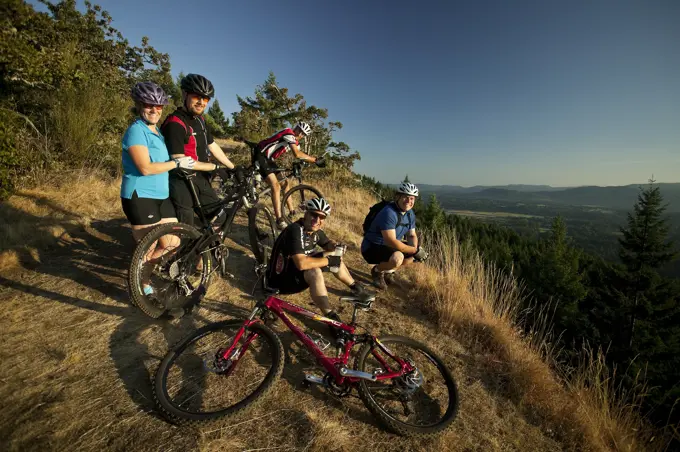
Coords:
pixel 293 199
pixel 224 367
pixel 180 277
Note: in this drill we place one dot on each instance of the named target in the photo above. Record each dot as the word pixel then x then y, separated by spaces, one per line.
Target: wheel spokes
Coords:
pixel 195 387
pixel 420 397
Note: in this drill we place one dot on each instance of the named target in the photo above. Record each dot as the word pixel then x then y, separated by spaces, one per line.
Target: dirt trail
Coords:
pixel 77 360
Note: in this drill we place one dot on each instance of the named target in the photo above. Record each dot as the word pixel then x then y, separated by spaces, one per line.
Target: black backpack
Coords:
pixel 373 212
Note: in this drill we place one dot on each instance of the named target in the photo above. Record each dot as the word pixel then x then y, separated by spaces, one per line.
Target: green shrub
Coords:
pixel 8 156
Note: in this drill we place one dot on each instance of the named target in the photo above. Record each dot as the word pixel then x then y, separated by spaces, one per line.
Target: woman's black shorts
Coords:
pixel 143 211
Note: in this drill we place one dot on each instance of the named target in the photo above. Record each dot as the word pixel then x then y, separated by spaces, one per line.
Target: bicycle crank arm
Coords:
pixel 357 374
pixel 313 379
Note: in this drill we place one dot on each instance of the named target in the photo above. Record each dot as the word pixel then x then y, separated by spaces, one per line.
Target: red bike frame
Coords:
pixel 332 365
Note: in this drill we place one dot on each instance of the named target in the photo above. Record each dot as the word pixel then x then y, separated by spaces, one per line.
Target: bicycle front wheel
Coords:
pixel 293 202
pixel 420 403
pixel 262 232
pixel 161 277
pixel 194 383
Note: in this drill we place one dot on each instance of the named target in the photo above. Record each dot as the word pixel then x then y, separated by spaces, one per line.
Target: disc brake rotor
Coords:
pixel 173 271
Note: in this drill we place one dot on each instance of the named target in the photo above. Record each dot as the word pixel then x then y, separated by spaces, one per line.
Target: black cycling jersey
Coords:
pixel 293 240
pixel 186 134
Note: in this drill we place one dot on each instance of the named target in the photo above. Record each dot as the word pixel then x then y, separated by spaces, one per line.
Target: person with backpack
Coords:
pixel 274 147
pixel 186 135
pixel 385 228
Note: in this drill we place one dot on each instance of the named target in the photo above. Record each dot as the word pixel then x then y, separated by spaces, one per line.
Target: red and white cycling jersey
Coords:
pixel 278 144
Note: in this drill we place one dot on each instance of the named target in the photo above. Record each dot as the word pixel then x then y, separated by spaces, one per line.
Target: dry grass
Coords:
pixel 479 306
pixel 77 358
pixel 33 220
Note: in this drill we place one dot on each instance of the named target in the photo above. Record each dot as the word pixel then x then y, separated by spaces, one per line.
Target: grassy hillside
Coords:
pixel 77 357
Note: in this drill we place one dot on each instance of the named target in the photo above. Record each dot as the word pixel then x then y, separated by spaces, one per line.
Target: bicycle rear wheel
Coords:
pixel 194 383
pixel 296 197
pixel 169 281
pixel 421 403
pixel 262 231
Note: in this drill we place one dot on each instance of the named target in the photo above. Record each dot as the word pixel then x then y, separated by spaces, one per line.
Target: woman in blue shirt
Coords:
pixel 145 191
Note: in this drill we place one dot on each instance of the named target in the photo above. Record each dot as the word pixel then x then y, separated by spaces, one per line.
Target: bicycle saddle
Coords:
pixel 363 303
pixel 185 173
pixel 270 290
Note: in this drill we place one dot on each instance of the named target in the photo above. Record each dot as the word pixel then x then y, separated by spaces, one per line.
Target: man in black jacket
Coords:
pixel 186 134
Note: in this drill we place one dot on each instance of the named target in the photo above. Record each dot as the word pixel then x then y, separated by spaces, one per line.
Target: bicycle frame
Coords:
pixel 235 197
pixel 288 173
pixel 333 366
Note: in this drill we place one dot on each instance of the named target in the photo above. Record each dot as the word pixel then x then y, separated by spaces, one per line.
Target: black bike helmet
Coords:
pixel 149 93
pixel 197 84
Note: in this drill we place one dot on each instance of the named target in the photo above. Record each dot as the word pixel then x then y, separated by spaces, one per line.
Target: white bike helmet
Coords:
pixel 408 188
pixel 319 205
pixel 306 128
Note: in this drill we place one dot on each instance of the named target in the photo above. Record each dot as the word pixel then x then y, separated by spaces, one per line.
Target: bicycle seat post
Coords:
pixel 198 207
pixel 354 315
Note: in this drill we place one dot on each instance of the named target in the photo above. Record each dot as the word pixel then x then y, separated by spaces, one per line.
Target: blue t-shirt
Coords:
pixel 389 218
pixel 153 186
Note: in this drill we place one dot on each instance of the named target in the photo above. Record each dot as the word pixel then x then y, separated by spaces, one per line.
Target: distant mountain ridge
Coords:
pixel 478 188
pixel 613 197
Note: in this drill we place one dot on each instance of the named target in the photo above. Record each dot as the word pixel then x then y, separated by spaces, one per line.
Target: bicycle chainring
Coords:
pixel 334 388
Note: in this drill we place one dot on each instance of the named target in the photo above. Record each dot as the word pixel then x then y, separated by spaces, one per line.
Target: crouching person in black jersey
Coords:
pixel 296 265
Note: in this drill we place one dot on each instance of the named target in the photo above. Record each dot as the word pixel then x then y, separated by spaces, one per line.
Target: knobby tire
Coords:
pixel 138 298
pixel 384 417
pixel 293 191
pixel 179 416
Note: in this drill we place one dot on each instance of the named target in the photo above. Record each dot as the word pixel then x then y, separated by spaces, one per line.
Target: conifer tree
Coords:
pixel 222 123
pixel 433 216
pixel 650 303
pixel 644 249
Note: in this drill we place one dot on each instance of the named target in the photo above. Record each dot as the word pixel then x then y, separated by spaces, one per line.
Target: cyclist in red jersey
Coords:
pixel 274 147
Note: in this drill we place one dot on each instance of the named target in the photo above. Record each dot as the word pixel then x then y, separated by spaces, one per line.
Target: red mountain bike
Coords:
pixel 224 367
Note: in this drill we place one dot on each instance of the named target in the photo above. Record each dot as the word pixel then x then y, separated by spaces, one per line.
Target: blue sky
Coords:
pixel 465 93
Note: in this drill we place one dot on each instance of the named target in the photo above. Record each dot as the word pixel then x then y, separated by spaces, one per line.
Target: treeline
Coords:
pixel 65 80
pixel 628 309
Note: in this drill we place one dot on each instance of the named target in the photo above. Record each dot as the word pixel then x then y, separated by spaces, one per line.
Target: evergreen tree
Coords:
pixel 272 109
pixel 221 123
pixel 650 304
pixel 215 128
pixel 269 110
pixel 555 277
pixel 644 249
pixel 433 216
pixel 406 179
